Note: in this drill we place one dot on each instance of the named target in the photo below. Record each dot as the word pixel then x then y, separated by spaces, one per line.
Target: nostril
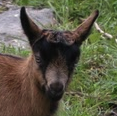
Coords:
pixel 56 87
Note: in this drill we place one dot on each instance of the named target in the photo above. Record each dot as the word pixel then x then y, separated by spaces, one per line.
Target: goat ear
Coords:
pixel 81 33
pixel 30 28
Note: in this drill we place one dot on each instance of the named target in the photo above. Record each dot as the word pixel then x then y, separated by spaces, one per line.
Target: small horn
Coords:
pixel 30 28
pixel 81 33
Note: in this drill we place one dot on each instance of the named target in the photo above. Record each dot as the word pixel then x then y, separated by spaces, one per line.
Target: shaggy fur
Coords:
pixel 33 86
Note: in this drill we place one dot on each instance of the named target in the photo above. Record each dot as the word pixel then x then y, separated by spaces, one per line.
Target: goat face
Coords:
pixel 56 52
pixel 56 61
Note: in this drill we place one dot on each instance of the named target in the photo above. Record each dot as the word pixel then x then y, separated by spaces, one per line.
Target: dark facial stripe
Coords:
pixel 51 51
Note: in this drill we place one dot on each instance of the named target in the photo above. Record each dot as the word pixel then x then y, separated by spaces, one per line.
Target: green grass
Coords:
pixel 13 50
pixel 95 78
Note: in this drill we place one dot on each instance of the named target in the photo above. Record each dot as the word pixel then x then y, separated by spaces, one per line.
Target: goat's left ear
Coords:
pixel 30 28
pixel 81 33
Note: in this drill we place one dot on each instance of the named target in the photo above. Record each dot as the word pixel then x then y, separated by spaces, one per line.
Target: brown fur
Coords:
pixel 18 93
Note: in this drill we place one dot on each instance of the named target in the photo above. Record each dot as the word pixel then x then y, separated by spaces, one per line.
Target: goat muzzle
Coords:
pixel 55 91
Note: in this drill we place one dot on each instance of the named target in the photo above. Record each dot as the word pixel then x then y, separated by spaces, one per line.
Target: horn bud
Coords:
pixel 81 33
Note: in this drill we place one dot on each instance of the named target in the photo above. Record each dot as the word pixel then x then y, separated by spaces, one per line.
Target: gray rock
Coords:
pixel 11 32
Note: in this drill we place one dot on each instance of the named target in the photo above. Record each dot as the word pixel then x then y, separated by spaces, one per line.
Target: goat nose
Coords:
pixel 56 87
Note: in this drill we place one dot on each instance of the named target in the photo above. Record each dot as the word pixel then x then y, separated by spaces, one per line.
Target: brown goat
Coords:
pixel 33 86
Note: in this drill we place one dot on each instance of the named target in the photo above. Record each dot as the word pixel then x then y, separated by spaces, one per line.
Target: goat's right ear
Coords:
pixel 30 28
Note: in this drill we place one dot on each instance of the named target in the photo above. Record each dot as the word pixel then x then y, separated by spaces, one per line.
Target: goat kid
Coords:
pixel 33 86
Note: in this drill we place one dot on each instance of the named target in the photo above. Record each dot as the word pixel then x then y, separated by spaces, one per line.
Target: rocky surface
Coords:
pixel 10 28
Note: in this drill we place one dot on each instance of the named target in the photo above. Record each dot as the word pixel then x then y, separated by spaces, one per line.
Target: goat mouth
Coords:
pixel 55 96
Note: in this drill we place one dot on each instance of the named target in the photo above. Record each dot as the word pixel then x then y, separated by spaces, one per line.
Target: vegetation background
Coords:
pixel 93 90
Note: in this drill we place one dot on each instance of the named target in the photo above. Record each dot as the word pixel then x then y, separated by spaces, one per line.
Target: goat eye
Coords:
pixel 38 60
